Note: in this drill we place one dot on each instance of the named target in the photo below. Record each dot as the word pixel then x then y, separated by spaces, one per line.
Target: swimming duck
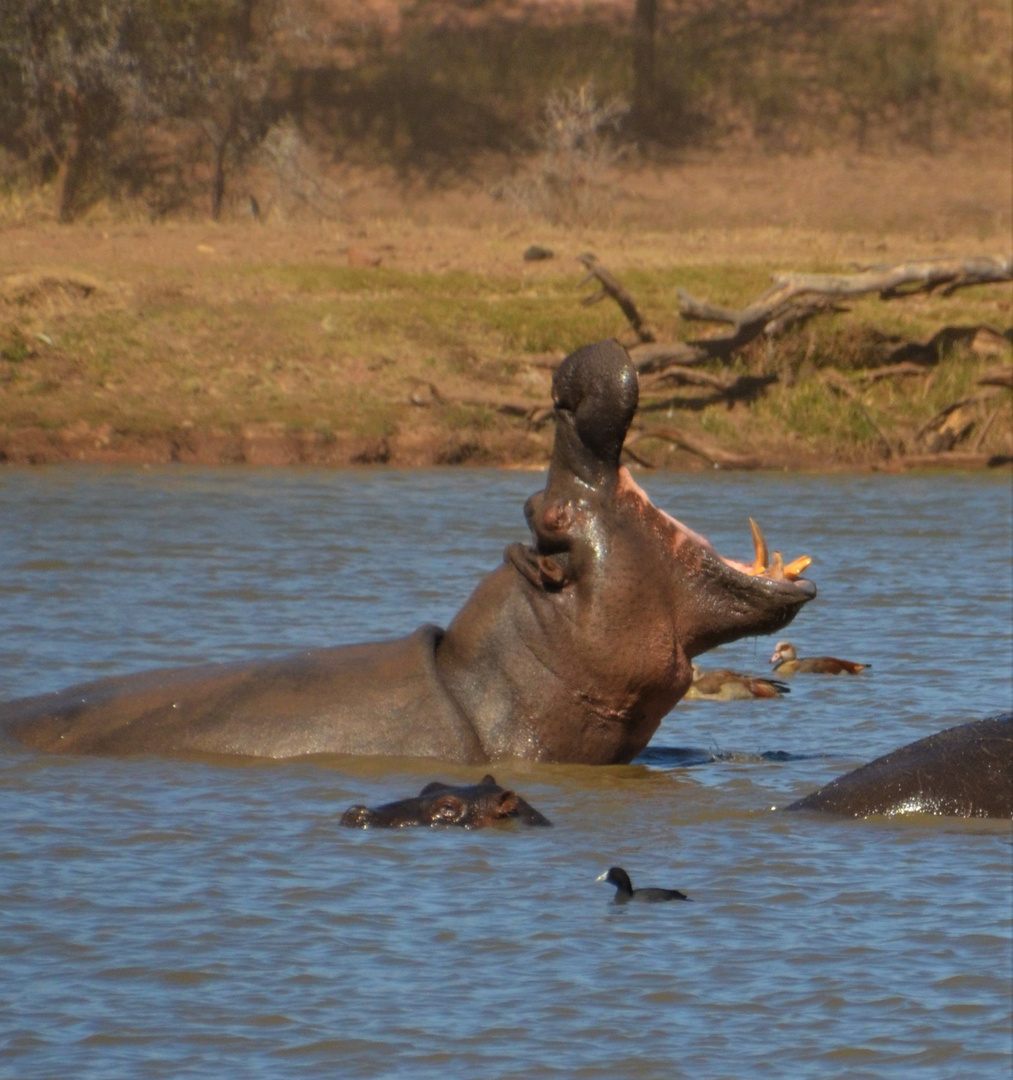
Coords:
pixel 725 685
pixel 625 892
pixel 786 662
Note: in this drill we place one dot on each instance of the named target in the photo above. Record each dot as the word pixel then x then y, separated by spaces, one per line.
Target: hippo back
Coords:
pixel 965 771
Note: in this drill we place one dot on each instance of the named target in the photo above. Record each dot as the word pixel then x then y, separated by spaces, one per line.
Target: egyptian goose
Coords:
pixel 725 685
pixel 787 662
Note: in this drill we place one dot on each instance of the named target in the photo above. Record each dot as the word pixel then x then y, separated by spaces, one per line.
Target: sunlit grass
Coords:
pixel 326 350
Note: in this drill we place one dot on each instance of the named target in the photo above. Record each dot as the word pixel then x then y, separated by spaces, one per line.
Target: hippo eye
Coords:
pixel 448 810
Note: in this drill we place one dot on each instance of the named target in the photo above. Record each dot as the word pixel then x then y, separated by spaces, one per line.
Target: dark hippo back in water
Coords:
pixel 965 771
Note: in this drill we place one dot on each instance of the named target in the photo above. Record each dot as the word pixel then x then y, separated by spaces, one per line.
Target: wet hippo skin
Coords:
pixel 965 771
pixel 469 807
pixel 572 650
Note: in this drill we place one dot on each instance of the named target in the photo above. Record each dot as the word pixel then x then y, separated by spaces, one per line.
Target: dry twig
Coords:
pixel 611 287
pixel 713 455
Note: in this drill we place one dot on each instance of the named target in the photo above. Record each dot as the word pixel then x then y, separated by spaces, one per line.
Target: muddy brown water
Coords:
pixel 194 919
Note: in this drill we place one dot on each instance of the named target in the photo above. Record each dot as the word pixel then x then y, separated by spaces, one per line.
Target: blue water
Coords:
pixel 180 919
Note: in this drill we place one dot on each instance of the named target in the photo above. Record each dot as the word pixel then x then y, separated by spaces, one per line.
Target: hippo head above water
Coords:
pixel 603 614
pixel 572 650
pixel 471 806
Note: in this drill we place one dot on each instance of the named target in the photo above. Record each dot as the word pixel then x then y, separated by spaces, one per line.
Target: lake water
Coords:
pixel 185 919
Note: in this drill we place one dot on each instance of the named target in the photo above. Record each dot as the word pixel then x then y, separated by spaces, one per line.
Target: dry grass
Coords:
pixel 307 340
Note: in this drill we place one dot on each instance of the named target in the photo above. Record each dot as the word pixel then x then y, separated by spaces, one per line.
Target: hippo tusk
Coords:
pixel 773 566
pixel 760 562
pixel 797 567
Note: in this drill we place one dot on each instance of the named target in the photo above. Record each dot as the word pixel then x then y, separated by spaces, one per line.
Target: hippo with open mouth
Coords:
pixel 572 650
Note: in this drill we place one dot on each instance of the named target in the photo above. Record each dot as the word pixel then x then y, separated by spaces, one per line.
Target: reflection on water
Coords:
pixel 184 919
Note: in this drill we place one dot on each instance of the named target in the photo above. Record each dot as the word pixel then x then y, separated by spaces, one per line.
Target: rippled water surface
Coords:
pixel 187 919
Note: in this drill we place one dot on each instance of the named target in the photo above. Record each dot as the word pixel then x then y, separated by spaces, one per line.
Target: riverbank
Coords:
pixel 413 331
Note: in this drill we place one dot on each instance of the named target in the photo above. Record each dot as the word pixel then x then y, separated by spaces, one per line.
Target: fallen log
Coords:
pixel 944 275
pixel 426 394
pixel 953 424
pixel 724 389
pixel 797 297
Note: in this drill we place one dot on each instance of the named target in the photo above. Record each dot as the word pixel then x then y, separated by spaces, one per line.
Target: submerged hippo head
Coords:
pixel 580 645
pixel 469 807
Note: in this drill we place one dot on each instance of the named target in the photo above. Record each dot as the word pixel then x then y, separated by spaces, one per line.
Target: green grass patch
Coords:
pixel 327 351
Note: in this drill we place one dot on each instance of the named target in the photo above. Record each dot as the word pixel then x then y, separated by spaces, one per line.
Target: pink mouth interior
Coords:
pixel 629 486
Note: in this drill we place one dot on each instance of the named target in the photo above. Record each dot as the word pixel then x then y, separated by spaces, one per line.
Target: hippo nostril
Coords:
pixel 557 516
pixel 357 817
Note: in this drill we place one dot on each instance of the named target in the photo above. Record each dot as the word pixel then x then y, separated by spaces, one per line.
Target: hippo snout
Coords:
pixel 358 817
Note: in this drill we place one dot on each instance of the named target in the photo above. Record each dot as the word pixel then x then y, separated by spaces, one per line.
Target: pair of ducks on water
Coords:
pixel 725 685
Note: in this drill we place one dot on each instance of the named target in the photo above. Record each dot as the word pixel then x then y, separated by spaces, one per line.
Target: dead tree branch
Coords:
pixel 722 388
pixel 955 423
pixel 611 287
pixel 944 275
pixel 795 298
pixel 426 394
pixel 986 427
pixel 655 357
pixel 998 376
pixel 713 455
pixel 890 371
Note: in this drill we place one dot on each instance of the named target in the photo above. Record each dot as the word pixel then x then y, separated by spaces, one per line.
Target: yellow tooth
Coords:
pixel 776 571
pixel 797 567
pixel 760 562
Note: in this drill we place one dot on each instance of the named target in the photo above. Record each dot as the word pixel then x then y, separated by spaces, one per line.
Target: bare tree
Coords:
pixel 79 80
pixel 645 19
pixel 217 74
pixel 570 183
pixel 300 183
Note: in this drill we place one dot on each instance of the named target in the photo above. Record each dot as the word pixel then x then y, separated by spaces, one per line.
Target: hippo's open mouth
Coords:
pixel 766 567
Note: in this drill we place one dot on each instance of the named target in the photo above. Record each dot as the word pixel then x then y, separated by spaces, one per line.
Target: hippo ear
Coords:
pixel 544 571
pixel 553 570
pixel 448 809
pixel 432 787
pixel 506 804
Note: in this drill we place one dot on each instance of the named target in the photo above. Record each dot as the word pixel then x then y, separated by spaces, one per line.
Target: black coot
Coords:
pixel 625 892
